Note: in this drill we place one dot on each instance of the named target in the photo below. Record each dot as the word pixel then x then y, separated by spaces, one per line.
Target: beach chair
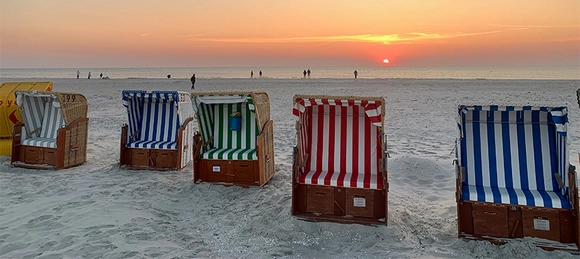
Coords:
pixel 513 176
pixel 54 131
pixel 339 168
pixel 235 144
pixel 158 134
pixel 9 111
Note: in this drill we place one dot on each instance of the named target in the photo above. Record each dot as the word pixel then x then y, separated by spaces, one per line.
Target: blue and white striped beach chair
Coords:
pixel 158 134
pixel 228 154
pixel 513 175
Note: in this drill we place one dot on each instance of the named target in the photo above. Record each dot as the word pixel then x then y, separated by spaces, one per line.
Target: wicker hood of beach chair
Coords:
pixel 340 169
pixel 54 132
pixel 234 145
pixel 514 179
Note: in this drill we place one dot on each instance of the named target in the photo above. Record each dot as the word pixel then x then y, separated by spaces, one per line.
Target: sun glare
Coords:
pixel 386 61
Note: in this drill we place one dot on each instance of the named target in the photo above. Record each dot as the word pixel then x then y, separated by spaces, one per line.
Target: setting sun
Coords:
pixel 386 61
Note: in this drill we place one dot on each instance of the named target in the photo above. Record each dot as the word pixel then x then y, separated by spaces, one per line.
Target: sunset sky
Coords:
pixel 206 33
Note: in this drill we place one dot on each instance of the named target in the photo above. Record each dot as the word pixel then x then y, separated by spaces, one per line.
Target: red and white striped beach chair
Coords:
pixel 339 171
pixel 513 176
pixel 159 133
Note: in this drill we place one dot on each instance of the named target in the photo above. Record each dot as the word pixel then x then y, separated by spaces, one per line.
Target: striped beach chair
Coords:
pixel 54 130
pixel 159 131
pixel 513 175
pixel 339 171
pixel 235 144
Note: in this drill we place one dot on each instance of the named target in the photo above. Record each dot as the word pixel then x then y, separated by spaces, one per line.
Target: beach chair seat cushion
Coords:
pixel 154 144
pixel 342 179
pixel 40 142
pixel 231 154
pixel 540 198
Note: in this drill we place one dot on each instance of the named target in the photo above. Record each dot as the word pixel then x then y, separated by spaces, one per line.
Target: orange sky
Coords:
pixel 181 33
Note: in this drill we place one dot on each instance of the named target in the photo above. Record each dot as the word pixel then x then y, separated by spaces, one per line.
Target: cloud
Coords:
pixel 371 38
pixel 144 34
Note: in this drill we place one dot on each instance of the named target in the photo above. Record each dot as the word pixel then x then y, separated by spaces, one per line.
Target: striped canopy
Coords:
pixel 42 116
pixel 373 108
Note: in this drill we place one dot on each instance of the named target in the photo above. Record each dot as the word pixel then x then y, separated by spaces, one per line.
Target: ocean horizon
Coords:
pixel 380 72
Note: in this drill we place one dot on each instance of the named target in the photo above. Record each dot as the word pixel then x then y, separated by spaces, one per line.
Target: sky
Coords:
pixel 218 33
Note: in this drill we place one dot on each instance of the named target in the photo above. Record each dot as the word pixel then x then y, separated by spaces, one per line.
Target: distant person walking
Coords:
pixel 193 81
pixel 78 74
pixel 252 74
pixel 355 74
pixel 304 73
pixel 260 73
pixel 308 72
pixel 89 77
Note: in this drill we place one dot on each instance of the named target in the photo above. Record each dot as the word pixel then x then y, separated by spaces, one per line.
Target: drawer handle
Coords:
pixel 320 193
pixel 489 212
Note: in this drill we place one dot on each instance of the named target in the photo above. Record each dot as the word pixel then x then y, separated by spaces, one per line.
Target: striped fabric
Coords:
pixel 229 144
pixel 231 154
pixel 42 117
pixel 342 141
pixel 153 119
pixel 40 142
pixel 372 108
pixel 52 120
pixel 513 155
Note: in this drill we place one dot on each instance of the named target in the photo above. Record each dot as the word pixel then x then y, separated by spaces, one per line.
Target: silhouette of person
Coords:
pixel 252 74
pixel 193 81
pixel 308 73
pixel 78 73
pixel 304 73
pixel 260 73
pixel 89 77
pixel 355 74
pixel 101 76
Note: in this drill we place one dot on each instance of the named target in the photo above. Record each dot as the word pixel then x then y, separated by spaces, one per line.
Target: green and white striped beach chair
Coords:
pixel 229 151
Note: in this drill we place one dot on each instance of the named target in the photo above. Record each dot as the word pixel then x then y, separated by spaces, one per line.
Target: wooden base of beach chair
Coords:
pixel 150 159
pixel 499 222
pixel 229 172
pixel 339 204
pixel 71 148
pixel 554 228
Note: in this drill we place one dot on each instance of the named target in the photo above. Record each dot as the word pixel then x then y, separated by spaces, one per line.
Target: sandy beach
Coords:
pixel 99 210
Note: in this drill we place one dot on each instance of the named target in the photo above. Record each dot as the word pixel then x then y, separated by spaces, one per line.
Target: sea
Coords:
pixel 383 72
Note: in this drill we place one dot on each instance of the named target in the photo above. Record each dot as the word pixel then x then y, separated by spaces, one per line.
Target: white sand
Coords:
pixel 100 210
